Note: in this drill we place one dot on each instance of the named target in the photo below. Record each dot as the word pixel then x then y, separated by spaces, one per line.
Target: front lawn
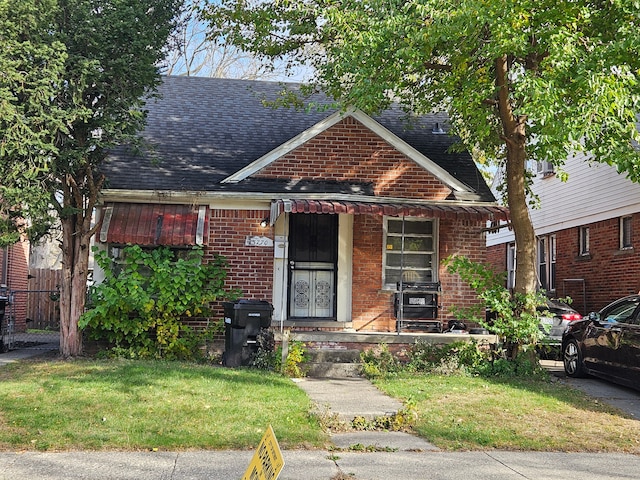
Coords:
pixel 469 413
pixel 131 405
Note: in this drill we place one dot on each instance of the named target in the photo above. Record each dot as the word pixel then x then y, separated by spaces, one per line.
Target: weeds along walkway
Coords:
pixel 340 401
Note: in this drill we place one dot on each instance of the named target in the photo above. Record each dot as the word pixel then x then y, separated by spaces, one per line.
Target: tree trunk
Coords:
pixel 79 196
pixel 514 135
pixel 75 269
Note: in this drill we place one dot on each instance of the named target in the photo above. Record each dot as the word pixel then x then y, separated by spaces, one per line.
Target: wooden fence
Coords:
pixel 41 299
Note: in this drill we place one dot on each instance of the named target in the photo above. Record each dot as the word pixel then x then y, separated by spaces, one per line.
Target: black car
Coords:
pixel 606 344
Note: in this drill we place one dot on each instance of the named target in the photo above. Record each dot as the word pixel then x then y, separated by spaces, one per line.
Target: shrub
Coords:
pixel 457 357
pixel 268 357
pixel 297 357
pixel 139 306
pixel 524 364
pixel 379 361
pixel 514 317
pixel 265 356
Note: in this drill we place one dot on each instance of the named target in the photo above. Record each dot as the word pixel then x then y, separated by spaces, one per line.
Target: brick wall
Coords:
pixel 497 257
pixel 250 267
pixel 373 307
pixel 466 238
pixel 609 272
pixel 348 151
pixel 17 269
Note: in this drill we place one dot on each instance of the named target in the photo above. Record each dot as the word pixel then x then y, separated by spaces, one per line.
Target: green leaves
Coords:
pixel 573 66
pixel 514 316
pixel 141 302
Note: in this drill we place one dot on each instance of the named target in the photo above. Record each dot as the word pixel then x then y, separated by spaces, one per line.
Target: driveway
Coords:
pixel 626 399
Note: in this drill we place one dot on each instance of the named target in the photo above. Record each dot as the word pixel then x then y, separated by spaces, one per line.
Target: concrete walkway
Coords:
pixel 348 398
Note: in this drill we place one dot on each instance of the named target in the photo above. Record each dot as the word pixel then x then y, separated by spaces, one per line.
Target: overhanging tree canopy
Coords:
pixel 88 65
pixel 31 68
pixel 521 80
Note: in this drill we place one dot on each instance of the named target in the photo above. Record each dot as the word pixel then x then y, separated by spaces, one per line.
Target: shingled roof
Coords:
pixel 203 130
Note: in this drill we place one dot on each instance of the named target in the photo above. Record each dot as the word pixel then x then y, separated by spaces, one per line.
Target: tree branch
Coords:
pixel 437 66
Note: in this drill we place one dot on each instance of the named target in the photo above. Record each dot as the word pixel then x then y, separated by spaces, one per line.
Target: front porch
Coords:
pixel 341 340
pixel 337 353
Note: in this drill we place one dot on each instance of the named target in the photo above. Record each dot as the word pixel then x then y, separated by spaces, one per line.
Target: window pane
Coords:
pixel 394 226
pixel 411 244
pixel 418 244
pixel 584 240
pixel 396 259
pixel 392 276
pixel 625 236
pixel 394 243
pixel 410 227
pixel 542 251
pixel 621 313
pixel 422 228
pixel 410 276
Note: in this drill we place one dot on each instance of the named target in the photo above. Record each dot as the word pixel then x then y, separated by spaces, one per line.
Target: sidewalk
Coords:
pixel 399 456
pixel 319 465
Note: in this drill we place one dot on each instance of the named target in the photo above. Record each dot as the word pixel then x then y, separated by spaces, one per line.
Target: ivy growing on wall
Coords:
pixel 139 307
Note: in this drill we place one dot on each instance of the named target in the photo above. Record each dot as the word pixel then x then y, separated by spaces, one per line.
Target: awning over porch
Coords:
pixel 153 224
pixel 484 212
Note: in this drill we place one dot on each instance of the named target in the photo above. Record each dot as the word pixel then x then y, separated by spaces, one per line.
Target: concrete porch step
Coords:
pixel 333 363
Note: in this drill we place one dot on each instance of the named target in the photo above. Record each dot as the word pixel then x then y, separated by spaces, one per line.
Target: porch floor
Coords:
pixel 375 338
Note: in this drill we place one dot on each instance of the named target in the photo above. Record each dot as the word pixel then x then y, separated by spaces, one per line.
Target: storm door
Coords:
pixel 313 258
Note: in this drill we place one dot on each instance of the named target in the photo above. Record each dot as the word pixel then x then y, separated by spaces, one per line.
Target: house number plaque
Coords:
pixel 258 242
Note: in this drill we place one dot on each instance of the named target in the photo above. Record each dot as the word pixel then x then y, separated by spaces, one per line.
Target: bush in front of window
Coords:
pixel 139 306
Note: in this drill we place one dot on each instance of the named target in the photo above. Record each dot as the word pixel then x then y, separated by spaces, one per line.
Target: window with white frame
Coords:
pixel 584 241
pixel 625 233
pixel 547 262
pixel 409 251
pixel 511 265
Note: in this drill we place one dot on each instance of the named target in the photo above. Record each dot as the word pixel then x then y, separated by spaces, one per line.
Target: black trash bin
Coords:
pixel 243 320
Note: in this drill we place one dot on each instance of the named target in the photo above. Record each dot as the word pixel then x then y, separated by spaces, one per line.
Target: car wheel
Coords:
pixel 572 358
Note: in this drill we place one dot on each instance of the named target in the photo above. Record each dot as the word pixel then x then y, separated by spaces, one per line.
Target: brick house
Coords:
pixel 587 234
pixel 323 213
pixel 14 277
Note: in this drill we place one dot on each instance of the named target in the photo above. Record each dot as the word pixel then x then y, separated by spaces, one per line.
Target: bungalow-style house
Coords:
pixel 325 214
pixel 587 233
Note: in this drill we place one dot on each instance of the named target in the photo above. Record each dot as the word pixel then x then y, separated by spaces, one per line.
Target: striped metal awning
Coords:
pixel 483 212
pixel 153 224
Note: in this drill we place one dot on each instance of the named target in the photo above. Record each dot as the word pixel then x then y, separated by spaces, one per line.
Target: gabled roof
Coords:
pixel 372 125
pixel 210 135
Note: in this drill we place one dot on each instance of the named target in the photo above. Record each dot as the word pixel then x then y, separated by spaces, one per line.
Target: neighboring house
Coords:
pixel 14 277
pixel 319 212
pixel 588 234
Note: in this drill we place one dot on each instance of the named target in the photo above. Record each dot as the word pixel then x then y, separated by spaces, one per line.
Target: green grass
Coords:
pixel 135 405
pixel 470 413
